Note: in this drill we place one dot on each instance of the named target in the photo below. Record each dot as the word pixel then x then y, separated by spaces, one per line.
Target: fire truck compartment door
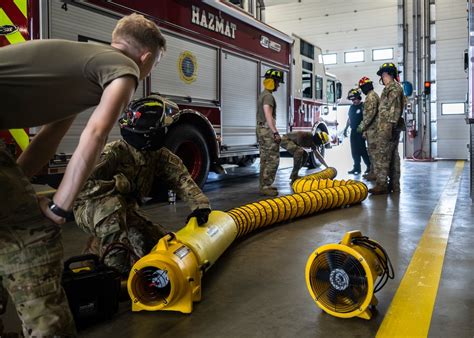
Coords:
pixel 239 100
pixel 188 69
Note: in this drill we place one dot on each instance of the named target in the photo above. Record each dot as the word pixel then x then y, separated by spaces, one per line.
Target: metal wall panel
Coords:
pixel 451 49
pixel 451 80
pixel 166 77
pixel 239 100
pixel 69 25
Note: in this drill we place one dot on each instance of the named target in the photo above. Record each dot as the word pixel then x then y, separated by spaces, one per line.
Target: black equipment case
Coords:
pixel 93 292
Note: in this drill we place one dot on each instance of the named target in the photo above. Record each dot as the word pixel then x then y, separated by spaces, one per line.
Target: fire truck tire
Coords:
pixel 188 143
pixel 313 162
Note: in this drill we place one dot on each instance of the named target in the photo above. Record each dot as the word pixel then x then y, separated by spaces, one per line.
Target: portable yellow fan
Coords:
pixel 341 278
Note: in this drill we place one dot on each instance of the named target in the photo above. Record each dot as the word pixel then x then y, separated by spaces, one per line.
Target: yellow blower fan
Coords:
pixel 341 278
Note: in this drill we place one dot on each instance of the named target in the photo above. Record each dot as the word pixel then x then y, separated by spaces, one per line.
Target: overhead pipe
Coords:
pixel 169 277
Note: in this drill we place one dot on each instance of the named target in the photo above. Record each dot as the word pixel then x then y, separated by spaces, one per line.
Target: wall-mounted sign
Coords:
pixel 265 42
pixel 213 22
pixel 187 67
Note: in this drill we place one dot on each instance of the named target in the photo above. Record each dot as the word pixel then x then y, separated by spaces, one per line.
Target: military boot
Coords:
pixel 378 190
pixel 370 177
pixel 394 187
pixel 269 191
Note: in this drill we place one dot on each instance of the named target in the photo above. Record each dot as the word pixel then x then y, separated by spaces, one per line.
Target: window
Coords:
pixel 306 49
pixel 350 57
pixel 319 87
pixel 331 90
pixel 307 85
pixel 330 59
pixel 307 66
pixel 452 109
pixel 382 54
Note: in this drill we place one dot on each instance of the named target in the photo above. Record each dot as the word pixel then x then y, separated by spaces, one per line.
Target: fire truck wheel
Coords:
pixel 187 142
pixel 313 161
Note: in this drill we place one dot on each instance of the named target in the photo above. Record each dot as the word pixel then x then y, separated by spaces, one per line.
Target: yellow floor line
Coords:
pixel 409 314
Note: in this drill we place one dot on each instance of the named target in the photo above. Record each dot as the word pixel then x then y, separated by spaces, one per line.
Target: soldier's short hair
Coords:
pixel 139 32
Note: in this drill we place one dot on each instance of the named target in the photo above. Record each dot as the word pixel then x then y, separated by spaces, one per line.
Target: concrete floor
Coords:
pixel 258 289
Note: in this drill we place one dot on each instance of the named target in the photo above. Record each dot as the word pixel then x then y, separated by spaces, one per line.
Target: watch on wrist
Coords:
pixel 275 133
pixel 58 211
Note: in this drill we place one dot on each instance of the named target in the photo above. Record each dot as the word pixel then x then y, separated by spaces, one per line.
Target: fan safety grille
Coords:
pixel 152 286
pixel 338 281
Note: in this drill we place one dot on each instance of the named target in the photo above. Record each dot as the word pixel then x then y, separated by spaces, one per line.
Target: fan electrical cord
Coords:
pixel 131 256
pixel 384 260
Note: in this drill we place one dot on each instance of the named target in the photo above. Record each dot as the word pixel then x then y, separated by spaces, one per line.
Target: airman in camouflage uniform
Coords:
pixel 268 137
pixel 31 255
pixel 295 142
pixel 108 206
pixel 368 126
pixel 390 125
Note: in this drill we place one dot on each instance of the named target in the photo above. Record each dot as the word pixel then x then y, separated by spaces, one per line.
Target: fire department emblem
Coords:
pixel 188 67
pixel 8 29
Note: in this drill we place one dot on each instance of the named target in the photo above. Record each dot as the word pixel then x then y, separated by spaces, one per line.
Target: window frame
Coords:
pixel 463 112
pixel 381 49
pixel 332 63
pixel 354 52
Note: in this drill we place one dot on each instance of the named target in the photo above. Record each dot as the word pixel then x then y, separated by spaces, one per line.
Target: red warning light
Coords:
pixel 427 87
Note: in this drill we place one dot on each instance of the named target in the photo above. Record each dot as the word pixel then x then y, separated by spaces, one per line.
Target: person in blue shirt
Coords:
pixel 358 146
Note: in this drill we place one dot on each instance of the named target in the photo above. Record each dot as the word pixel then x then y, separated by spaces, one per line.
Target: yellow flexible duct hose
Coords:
pixel 329 194
pixel 169 277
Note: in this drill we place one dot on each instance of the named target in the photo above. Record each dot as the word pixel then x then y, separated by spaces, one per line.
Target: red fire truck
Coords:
pixel 213 67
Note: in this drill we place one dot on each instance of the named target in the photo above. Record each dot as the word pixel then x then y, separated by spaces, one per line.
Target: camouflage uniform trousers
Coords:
pixel 387 158
pixel 371 136
pixel 31 256
pixel 112 219
pixel 300 156
pixel 269 156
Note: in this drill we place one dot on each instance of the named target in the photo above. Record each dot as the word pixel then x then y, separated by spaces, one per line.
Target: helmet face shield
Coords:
pixel 148 115
pixel 144 121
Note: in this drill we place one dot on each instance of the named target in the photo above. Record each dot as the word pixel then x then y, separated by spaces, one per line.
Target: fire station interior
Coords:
pixel 336 262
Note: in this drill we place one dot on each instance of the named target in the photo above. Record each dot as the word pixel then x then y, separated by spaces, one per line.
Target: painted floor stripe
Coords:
pixel 409 314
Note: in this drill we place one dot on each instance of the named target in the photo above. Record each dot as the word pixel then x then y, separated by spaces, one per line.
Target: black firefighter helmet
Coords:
pixel 390 68
pixel 143 122
pixel 274 74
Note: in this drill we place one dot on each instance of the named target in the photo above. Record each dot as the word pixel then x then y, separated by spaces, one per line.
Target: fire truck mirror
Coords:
pixel 325 110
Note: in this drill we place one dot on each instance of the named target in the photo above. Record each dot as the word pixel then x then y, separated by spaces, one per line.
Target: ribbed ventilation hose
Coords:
pixel 313 193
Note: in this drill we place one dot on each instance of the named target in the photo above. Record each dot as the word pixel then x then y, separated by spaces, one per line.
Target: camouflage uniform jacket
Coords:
pixel 371 110
pixel 391 103
pixel 124 170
